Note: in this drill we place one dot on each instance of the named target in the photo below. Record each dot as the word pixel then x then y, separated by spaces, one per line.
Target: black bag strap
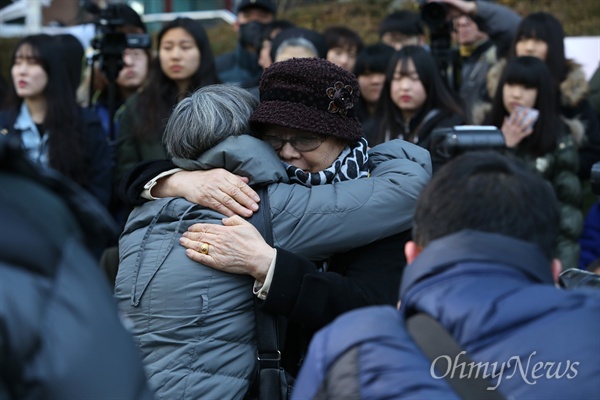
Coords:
pixel 435 342
pixel 268 327
pixel 261 219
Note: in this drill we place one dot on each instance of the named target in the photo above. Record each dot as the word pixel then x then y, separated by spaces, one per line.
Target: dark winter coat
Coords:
pixel 500 306
pixel 311 298
pixel 574 108
pixel 239 67
pixel 559 167
pixel 98 153
pixel 474 69
pixel 130 149
pixel 590 237
pixel 61 335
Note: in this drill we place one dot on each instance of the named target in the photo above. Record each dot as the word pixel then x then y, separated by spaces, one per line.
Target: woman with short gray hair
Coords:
pixel 206 118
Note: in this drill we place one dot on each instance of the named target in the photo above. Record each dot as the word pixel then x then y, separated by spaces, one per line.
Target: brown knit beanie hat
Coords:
pixel 310 94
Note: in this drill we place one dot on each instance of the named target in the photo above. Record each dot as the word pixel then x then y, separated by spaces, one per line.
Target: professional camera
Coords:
pixel 447 143
pixel 435 16
pixel 110 43
pixel 595 179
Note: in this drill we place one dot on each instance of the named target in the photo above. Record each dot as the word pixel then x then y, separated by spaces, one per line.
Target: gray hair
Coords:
pixel 206 118
pixel 297 42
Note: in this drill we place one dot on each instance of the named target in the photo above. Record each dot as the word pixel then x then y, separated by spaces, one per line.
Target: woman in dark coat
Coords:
pixel 185 63
pixel 414 101
pixel 541 35
pixel 545 144
pixel 41 110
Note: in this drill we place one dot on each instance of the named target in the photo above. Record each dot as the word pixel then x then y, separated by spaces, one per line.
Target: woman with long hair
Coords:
pixel 544 143
pixel 185 63
pixel 414 100
pixel 541 35
pixel 42 112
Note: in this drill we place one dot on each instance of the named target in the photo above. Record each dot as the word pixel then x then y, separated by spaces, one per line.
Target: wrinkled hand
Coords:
pixel 235 247
pixel 217 189
pixel 515 128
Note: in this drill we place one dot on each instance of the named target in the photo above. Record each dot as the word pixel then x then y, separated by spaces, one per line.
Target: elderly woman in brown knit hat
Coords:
pixel 306 113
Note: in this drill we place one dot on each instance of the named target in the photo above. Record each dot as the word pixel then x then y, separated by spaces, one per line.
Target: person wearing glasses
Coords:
pixel 346 209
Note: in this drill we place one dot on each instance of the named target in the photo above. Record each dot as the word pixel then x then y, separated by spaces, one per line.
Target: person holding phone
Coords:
pixel 525 110
pixel 541 35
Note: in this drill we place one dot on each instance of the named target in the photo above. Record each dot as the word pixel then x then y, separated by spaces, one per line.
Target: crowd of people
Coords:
pixel 297 176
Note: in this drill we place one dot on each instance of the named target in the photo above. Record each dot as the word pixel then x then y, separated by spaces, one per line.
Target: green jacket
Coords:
pixel 559 167
pixel 130 149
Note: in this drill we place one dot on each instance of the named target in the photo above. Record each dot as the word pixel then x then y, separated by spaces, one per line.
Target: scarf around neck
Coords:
pixel 350 164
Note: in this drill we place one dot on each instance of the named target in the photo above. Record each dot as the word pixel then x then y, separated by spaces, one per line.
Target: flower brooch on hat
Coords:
pixel 341 98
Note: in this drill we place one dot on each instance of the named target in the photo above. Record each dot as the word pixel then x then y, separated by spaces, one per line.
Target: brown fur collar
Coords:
pixel 572 90
pixel 575 87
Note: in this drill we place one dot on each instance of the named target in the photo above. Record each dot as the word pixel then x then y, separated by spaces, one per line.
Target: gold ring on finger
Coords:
pixel 204 249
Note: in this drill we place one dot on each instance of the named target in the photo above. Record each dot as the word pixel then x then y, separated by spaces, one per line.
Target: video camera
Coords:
pixel 450 142
pixel 435 16
pixel 110 43
pixel 447 143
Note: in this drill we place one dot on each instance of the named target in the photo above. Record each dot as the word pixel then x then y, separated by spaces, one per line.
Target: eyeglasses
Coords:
pixel 300 143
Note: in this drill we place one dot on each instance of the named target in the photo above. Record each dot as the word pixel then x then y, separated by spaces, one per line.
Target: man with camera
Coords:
pixel 240 66
pixel 483 32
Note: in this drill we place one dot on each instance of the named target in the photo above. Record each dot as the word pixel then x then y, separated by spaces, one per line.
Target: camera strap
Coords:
pixel 437 344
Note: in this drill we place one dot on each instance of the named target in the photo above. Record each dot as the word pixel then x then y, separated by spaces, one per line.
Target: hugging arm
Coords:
pixel 132 185
pixel 330 219
pixel 364 276
pixel 217 189
pixel 352 213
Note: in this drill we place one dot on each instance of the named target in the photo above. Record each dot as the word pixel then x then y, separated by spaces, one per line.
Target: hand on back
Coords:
pixel 217 189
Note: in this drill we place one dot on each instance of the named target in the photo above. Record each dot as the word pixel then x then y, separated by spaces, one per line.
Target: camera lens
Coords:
pixel 434 13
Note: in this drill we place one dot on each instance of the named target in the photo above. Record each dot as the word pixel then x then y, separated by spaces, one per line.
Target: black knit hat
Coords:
pixel 310 94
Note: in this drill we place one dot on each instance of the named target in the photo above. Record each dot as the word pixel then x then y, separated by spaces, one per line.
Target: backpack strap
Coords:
pixel 437 344
pixel 270 383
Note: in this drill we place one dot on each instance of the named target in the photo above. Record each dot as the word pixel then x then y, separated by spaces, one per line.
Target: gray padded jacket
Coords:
pixel 195 325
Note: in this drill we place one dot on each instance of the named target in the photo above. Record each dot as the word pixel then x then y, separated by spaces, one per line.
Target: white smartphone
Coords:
pixel 531 115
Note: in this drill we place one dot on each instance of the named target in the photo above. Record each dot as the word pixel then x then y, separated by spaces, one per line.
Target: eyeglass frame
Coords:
pixel 293 142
